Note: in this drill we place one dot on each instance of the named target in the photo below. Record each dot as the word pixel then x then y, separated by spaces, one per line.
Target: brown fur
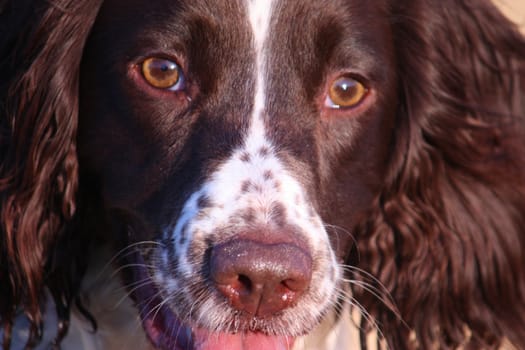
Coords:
pixel 445 236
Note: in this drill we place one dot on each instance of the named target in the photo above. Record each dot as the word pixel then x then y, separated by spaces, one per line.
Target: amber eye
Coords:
pixel 345 92
pixel 162 73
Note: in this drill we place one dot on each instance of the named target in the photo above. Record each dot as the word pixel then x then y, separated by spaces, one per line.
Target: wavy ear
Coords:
pixel 40 51
pixel 447 234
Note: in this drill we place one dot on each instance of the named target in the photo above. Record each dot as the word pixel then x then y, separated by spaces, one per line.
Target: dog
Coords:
pixel 261 174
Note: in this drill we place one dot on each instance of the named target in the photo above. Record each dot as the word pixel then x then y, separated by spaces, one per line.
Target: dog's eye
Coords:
pixel 162 74
pixel 345 92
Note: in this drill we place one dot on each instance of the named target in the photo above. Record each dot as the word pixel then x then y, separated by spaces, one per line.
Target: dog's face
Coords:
pixel 241 140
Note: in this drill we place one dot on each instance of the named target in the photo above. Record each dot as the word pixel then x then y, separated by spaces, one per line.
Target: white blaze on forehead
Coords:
pixel 260 13
pixel 254 180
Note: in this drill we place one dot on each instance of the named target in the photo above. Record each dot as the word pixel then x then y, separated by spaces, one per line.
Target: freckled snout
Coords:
pixel 260 278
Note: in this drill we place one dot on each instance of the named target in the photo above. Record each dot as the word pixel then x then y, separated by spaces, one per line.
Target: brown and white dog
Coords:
pixel 249 174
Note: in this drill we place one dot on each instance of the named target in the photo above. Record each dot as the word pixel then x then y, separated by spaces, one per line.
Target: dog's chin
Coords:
pixel 166 331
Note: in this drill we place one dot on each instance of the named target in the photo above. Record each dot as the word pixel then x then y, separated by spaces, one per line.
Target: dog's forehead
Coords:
pixel 259 13
pixel 284 33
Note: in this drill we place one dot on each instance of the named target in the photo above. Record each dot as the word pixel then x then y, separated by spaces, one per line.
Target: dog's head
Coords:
pixel 232 149
pixel 239 155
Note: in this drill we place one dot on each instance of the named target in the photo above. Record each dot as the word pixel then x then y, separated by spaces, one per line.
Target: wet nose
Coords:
pixel 260 278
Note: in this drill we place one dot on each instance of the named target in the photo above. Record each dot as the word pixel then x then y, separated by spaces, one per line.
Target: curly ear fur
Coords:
pixel 40 50
pixel 447 235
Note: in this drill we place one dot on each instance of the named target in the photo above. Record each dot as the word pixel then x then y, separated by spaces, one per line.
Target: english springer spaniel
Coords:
pixel 261 174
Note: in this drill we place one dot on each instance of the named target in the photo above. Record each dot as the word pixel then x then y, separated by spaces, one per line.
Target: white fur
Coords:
pixel 250 164
pixel 260 15
pixel 119 325
pixel 224 190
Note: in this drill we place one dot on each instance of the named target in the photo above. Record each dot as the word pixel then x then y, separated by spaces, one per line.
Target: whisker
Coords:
pixel 132 290
pixel 155 308
pixel 197 300
pixel 369 319
pixel 125 288
pixel 126 266
pixel 119 255
pixel 388 302
pixel 130 246
pixel 381 289
pixel 380 292
pixel 349 234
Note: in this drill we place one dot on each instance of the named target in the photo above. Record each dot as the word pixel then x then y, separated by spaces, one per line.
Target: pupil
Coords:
pixel 163 70
pixel 166 67
pixel 346 89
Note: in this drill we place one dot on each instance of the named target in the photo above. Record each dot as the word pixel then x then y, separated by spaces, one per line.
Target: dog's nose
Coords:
pixel 260 278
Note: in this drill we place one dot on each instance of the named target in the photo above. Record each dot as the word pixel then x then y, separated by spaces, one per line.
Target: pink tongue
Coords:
pixel 204 340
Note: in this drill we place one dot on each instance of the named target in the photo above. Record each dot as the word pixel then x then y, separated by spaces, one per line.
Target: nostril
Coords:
pixel 245 282
pixel 260 278
pixel 295 285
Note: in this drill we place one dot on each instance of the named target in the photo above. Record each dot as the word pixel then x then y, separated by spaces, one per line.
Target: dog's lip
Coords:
pixel 156 317
pixel 166 331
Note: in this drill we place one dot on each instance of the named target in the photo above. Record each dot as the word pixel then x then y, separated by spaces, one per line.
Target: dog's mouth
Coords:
pixel 166 331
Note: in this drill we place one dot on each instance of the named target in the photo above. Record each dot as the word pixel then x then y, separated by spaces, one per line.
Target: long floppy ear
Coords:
pixel 40 51
pixel 446 236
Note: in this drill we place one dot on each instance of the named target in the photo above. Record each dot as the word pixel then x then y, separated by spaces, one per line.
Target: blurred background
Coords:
pixel 515 9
